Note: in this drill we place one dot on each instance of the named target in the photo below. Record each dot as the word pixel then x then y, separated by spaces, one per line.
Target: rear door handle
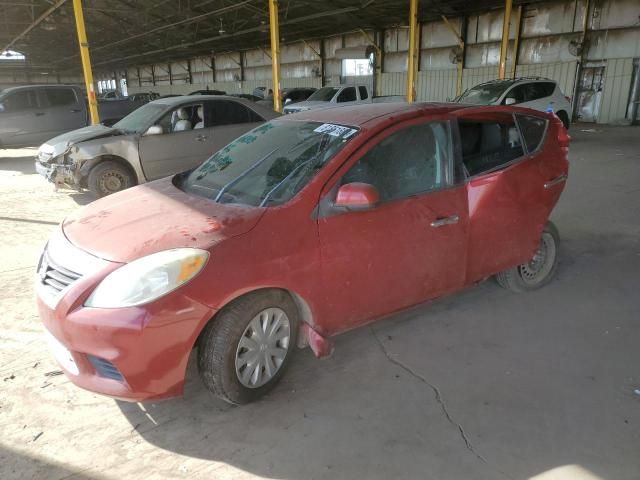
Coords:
pixel 201 138
pixel 441 222
pixel 75 110
pixel 39 114
pixel 555 181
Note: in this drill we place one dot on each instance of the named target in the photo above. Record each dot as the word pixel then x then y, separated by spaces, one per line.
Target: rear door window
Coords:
pixel 489 145
pixel 532 129
pixel 539 90
pixel 363 93
pixel 228 112
pixel 347 95
pixel 60 97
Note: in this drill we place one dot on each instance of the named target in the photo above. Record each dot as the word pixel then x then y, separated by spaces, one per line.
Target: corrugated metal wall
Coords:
pixel 547 30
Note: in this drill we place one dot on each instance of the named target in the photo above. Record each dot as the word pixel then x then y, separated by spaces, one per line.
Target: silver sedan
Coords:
pixel 162 138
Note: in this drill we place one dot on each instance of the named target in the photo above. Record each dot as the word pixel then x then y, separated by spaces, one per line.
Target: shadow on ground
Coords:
pixel 19 465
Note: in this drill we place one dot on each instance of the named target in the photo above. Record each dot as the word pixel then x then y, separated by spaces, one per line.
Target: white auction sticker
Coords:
pixel 335 130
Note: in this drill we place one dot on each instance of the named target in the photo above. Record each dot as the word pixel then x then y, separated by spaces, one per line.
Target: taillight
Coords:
pixel 563 137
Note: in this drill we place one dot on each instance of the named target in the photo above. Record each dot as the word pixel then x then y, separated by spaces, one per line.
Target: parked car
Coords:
pixel 340 95
pixel 330 96
pixel 110 95
pixel 260 92
pixel 246 96
pixel 302 228
pixel 208 92
pixel 31 114
pixel 144 97
pixel 291 95
pixel 537 93
pixel 162 138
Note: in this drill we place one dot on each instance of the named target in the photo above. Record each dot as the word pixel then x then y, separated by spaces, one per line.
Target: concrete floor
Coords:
pixel 482 385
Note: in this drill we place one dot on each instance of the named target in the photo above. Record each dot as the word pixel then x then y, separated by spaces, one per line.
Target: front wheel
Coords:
pixel 538 271
pixel 109 177
pixel 244 351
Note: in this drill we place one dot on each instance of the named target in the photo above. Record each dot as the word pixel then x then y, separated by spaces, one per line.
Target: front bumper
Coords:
pixel 134 353
pixel 55 172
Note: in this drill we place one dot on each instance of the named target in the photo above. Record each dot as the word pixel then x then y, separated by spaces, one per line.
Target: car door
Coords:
pixel 410 247
pixel 230 119
pixel 65 111
pixel 22 119
pixel 508 200
pixel 180 147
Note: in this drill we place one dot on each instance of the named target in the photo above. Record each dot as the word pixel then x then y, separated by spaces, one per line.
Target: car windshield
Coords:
pixel 324 94
pixel 268 165
pixel 140 119
pixel 484 94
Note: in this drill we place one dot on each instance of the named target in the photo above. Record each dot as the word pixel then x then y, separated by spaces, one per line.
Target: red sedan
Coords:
pixel 303 228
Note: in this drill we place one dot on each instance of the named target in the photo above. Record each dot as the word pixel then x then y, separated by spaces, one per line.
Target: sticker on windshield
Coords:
pixel 335 130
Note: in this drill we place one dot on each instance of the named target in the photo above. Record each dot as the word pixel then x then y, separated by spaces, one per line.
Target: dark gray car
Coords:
pixel 31 114
pixel 162 138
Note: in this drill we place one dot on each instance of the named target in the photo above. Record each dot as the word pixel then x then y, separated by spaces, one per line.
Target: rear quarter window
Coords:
pixel 532 130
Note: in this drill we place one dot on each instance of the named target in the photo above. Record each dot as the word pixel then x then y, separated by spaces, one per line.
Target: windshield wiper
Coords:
pixel 232 182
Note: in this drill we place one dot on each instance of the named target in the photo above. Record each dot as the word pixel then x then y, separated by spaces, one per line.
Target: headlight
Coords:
pixel 148 278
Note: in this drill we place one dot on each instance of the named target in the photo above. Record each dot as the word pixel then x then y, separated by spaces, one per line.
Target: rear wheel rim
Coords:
pixel 539 267
pixel 263 347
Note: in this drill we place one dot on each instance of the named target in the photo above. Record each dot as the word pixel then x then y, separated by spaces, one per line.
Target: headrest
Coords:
pixel 183 114
pixel 201 112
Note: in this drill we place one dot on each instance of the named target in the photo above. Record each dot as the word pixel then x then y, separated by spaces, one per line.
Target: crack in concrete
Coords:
pixel 436 392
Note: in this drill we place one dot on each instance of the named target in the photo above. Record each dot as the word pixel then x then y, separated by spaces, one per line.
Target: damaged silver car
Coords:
pixel 162 138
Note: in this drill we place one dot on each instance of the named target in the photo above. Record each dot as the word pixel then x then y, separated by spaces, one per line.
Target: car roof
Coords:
pixel 507 82
pixel 361 115
pixel 43 85
pixel 267 113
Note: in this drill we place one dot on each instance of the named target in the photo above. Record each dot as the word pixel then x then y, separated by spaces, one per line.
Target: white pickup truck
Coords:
pixel 339 95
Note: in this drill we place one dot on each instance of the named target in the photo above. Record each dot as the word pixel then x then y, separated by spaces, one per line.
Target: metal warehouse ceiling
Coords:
pixel 126 32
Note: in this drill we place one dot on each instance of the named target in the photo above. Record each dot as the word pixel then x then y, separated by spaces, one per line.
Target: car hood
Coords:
pixel 153 217
pixel 59 144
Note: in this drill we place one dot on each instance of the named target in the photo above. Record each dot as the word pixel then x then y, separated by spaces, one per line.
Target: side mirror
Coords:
pixel 509 101
pixel 357 196
pixel 154 130
pixel 287 101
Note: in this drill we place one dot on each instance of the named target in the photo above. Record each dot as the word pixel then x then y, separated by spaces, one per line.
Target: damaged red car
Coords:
pixel 305 227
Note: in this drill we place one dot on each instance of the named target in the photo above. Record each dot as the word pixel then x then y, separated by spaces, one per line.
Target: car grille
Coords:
pixel 105 368
pixel 53 276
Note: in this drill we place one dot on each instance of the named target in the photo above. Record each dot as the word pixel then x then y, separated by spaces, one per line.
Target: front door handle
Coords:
pixel 75 110
pixel 39 114
pixel 555 181
pixel 201 138
pixel 441 222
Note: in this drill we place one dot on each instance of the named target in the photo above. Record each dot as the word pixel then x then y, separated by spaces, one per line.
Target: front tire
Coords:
pixel 109 177
pixel 539 270
pixel 244 351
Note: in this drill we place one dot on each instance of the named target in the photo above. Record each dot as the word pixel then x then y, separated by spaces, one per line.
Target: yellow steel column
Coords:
pixel 505 39
pixel 516 42
pixel 412 64
pixel 275 53
pixel 86 61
